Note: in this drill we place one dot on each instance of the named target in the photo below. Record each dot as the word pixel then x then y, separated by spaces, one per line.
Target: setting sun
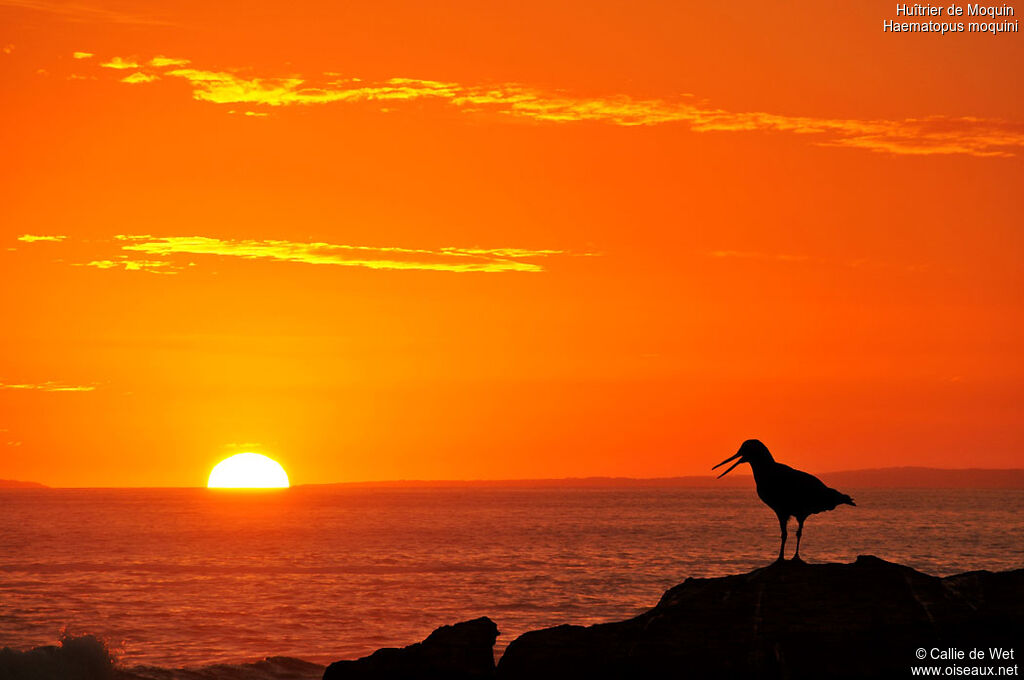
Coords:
pixel 248 471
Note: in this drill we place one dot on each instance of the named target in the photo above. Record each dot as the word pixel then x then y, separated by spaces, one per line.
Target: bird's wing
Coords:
pixel 801 480
pixel 810 493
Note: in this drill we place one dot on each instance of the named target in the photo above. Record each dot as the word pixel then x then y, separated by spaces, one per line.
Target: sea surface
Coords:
pixel 177 578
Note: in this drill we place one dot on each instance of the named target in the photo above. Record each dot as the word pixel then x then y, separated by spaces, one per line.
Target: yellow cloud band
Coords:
pixel 911 136
pixel 371 257
pixel 48 386
pixel 446 259
pixel 32 238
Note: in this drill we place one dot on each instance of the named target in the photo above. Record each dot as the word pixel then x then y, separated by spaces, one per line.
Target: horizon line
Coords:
pixel 611 480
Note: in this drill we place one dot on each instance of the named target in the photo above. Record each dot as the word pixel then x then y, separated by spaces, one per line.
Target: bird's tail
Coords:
pixel 840 498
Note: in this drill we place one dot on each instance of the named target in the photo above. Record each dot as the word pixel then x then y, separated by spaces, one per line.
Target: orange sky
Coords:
pixel 460 240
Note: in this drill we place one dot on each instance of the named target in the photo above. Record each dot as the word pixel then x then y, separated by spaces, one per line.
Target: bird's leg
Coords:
pixel 799 532
pixel 782 548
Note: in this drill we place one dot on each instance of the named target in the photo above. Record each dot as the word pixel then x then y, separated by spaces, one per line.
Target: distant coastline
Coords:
pixel 15 484
pixel 885 478
pixel 872 478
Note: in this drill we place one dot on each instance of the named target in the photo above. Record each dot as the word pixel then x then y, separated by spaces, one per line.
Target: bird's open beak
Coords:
pixel 731 467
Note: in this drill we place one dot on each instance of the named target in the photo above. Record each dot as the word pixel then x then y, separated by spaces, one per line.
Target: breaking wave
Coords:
pixel 87 657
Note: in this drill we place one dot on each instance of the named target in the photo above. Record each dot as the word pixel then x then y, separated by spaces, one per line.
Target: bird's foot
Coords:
pixel 797 558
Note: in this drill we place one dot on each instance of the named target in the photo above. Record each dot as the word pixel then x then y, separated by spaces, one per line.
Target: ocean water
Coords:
pixel 190 577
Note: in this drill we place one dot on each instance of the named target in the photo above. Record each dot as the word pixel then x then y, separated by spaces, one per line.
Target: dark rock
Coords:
pixel 464 651
pixel 790 620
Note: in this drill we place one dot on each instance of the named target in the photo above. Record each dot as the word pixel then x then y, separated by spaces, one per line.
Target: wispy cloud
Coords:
pixel 160 61
pixel 139 77
pixel 134 265
pixel 911 136
pixel 371 257
pixel 32 238
pixel 48 386
pixel 120 63
pixel 779 258
pixel 7 49
pixel 748 255
pixel 82 55
pixel 73 11
pixel 172 254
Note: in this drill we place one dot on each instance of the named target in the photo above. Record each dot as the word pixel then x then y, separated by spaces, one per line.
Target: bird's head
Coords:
pixel 752 451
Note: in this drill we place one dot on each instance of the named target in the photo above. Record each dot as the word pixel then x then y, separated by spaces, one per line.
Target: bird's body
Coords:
pixel 789 492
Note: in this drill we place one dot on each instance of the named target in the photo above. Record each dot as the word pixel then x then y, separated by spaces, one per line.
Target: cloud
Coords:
pixel 748 255
pixel 166 254
pixel 48 386
pixel 449 259
pixel 869 263
pixel 120 63
pixel 139 77
pixel 221 87
pixel 7 49
pixel 82 55
pixel 130 265
pixel 32 238
pixel 911 136
pixel 71 11
pixel 160 61
pixel 501 252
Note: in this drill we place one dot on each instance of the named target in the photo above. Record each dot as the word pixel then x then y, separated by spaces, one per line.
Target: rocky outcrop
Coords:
pixel 464 651
pixel 789 620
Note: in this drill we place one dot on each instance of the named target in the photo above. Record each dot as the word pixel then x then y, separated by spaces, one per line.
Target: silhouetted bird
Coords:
pixel 789 492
